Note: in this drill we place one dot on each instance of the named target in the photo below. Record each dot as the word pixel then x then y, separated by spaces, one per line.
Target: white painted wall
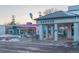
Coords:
pixel 76 31
pixel 2 29
pixel 56 32
pixel 64 20
pixel 40 32
pixel 67 20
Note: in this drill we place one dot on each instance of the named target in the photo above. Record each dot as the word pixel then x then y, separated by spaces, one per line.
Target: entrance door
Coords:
pixel 65 31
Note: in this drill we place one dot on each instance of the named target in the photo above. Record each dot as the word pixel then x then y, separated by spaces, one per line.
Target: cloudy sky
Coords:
pixel 22 12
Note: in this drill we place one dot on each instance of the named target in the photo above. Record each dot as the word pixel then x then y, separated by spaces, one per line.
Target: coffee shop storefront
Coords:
pixel 58 25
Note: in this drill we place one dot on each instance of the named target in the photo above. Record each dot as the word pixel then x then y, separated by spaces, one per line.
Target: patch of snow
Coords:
pixel 14 40
pixel 3 40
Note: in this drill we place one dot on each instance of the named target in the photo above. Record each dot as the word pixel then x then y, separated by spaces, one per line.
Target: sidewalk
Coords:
pixel 40 42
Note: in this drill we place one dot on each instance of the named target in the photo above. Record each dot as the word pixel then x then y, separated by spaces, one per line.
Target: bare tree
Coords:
pixel 48 11
pixel 13 20
pixel 40 14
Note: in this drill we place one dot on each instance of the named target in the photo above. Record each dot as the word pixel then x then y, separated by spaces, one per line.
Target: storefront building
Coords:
pixel 59 25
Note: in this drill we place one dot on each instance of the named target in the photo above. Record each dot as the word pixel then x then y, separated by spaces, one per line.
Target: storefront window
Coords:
pixel 62 32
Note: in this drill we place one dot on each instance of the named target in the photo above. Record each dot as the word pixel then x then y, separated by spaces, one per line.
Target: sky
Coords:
pixel 21 12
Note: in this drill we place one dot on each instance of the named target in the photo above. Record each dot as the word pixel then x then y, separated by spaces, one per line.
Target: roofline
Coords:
pixel 57 17
pixel 74 10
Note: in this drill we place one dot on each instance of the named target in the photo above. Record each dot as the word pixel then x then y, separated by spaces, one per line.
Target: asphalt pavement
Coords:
pixel 34 47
